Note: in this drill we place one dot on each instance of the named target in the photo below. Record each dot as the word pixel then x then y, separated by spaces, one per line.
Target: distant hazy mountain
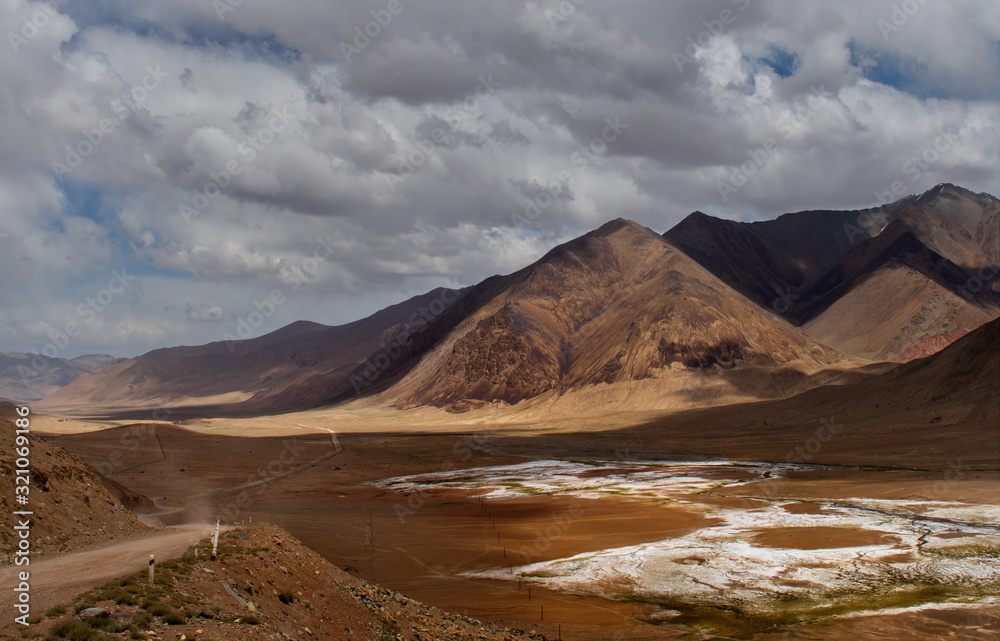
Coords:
pixel 290 367
pixel 30 377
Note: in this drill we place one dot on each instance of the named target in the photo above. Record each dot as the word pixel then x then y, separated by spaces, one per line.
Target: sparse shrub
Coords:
pixel 137 631
pixel 64 629
pixel 250 620
pixel 118 595
pixel 56 611
pixel 286 597
pixel 132 579
pixel 83 602
pixel 75 630
pixel 142 620
pixel 105 623
pixel 158 609
pixel 174 618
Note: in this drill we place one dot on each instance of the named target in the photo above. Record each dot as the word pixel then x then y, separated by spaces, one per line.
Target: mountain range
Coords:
pixel 759 310
pixel 890 283
pixel 32 377
pixel 294 365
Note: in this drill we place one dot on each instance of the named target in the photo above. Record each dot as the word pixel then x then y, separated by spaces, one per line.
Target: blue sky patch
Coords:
pixel 262 46
pixel 783 61
pixel 892 70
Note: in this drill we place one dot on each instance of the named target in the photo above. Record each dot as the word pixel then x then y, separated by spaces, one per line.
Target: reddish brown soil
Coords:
pixel 420 544
pixel 816 538
pixel 265 585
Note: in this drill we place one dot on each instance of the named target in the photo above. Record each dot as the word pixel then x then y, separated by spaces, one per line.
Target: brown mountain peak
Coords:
pixel 619 225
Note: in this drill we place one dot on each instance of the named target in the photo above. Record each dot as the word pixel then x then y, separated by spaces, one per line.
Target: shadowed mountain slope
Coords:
pixel 617 304
pixel 893 282
pixel 281 367
pixel 937 412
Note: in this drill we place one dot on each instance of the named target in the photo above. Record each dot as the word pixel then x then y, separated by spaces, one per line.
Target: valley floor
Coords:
pixel 612 535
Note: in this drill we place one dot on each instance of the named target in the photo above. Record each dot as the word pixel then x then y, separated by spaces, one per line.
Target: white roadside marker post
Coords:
pixel 152 567
pixel 215 540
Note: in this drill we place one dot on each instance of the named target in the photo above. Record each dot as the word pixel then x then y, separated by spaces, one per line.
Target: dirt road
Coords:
pixel 57 579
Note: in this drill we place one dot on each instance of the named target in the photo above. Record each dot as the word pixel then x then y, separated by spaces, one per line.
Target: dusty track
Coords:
pixel 57 579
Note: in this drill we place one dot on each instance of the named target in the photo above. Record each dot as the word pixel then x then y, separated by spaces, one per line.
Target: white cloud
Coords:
pixel 331 168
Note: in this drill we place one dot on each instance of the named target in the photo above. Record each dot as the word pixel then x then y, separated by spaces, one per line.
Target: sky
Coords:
pixel 171 172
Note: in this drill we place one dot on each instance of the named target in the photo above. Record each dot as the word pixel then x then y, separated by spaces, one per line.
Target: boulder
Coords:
pixel 93 613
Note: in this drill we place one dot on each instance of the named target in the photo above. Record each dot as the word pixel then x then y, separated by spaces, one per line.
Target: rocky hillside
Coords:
pixel 72 505
pixel 263 585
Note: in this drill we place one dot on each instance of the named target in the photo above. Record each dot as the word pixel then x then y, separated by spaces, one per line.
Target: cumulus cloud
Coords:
pixel 203 313
pixel 352 157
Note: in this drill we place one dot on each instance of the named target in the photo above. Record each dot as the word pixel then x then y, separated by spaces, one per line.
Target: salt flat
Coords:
pixel 769 557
